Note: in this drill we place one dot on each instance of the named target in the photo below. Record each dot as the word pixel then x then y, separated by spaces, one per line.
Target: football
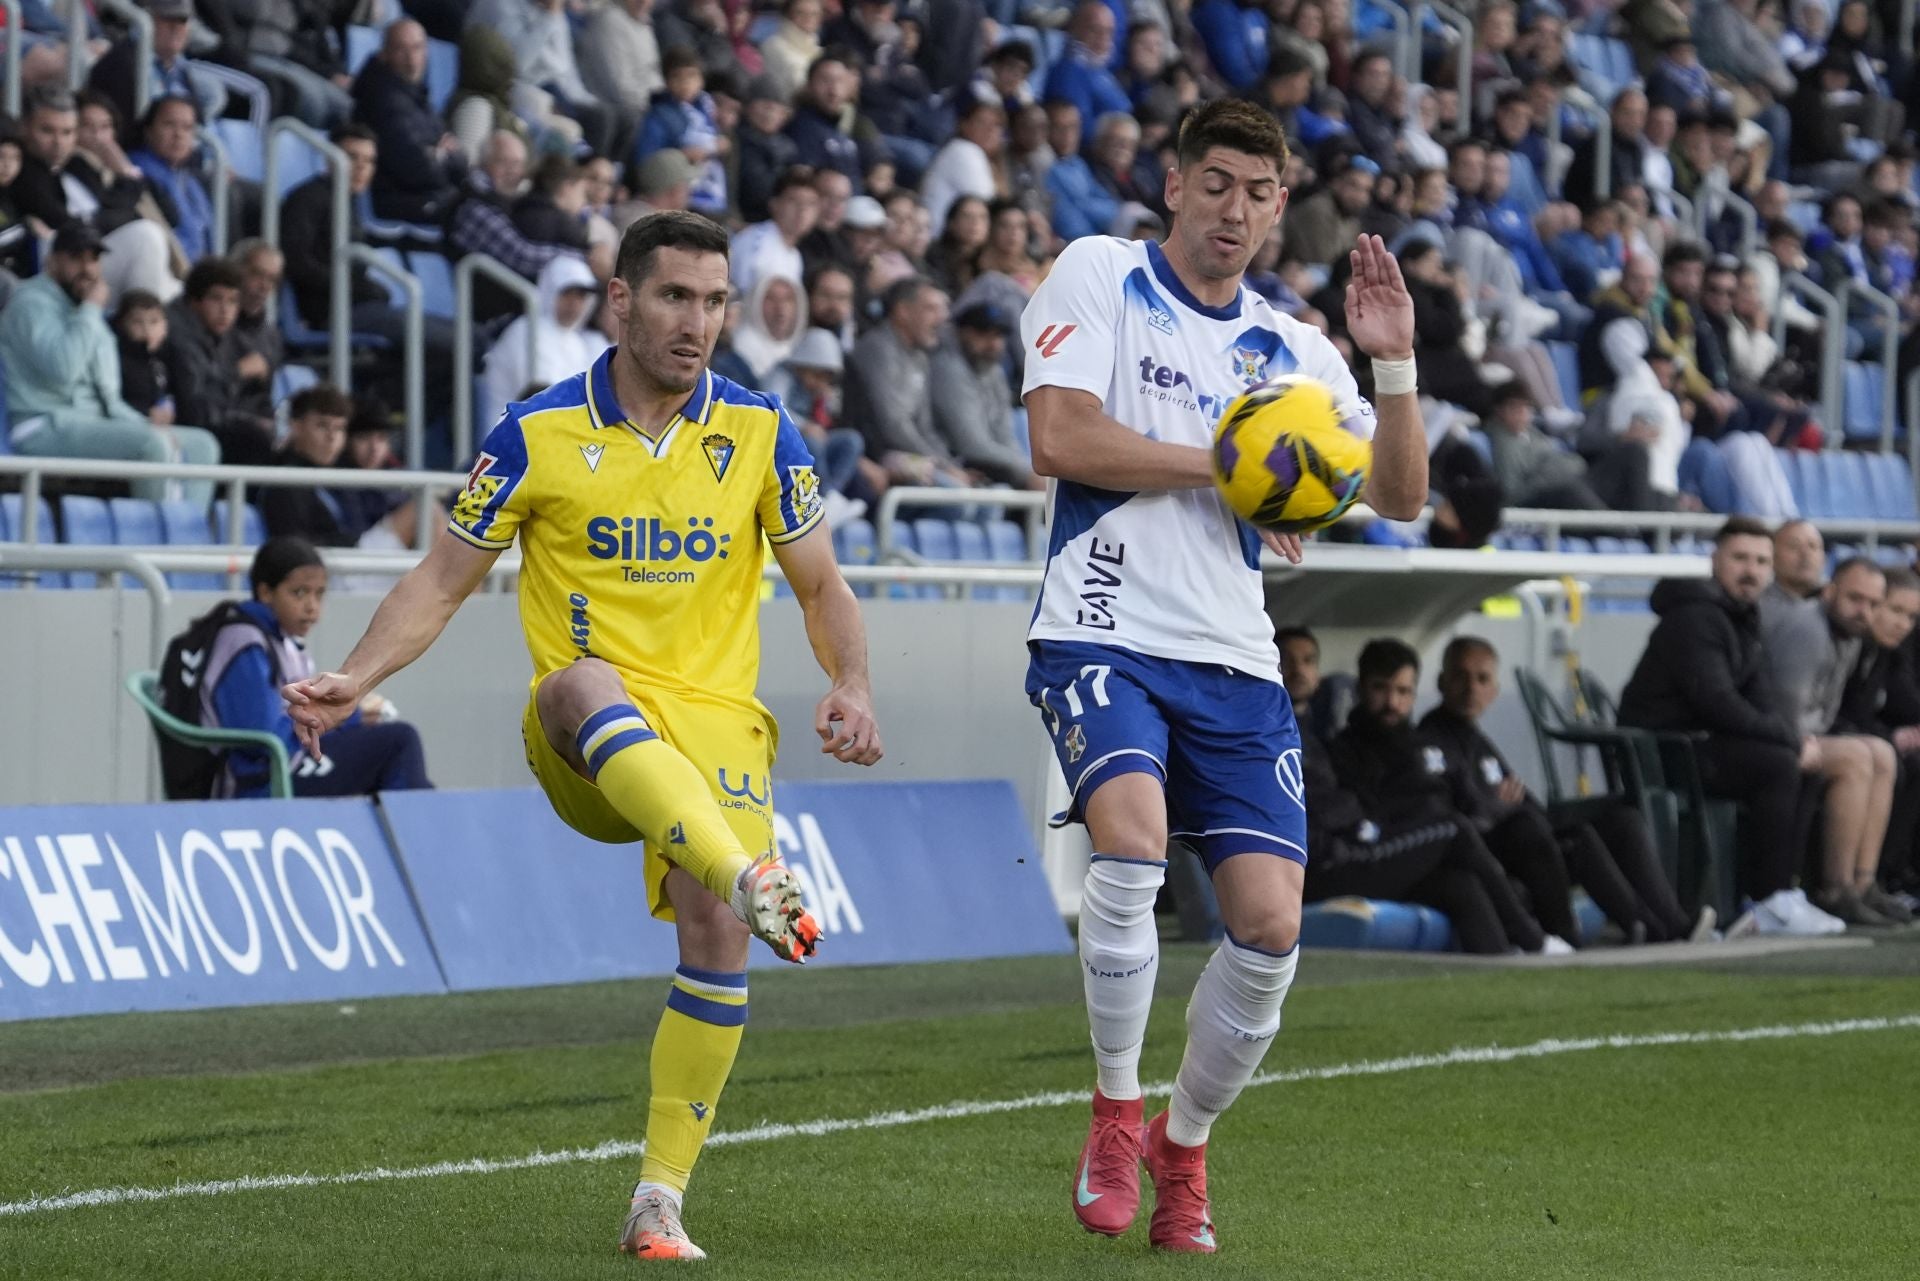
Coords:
pixel 1283 459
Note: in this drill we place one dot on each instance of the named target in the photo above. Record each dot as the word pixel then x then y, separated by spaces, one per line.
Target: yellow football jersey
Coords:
pixel 642 551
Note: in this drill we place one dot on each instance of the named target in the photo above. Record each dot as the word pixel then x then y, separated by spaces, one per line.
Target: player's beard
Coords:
pixel 658 366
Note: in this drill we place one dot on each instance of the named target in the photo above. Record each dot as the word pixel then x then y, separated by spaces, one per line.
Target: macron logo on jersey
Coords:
pixel 1048 343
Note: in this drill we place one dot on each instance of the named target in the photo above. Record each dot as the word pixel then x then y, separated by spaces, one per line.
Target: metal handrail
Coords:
pixel 1406 40
pixel 1889 355
pixel 1833 347
pixel 1685 214
pixel 140 27
pixel 76 16
pixel 220 190
pixel 1603 152
pixel 413 348
pixel 1463 62
pixel 887 515
pixel 10 67
pixel 339 293
pixel 507 278
pixel 129 561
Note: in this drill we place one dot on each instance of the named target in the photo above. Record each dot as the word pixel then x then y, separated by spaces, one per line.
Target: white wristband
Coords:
pixel 1393 377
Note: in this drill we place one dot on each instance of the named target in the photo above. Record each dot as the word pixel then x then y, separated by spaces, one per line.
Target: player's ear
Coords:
pixel 1170 193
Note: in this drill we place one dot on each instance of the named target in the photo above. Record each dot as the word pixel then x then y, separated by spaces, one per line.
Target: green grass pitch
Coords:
pixel 1790 1157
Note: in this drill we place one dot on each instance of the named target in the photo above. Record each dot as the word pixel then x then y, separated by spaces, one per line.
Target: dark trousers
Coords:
pixel 1442 864
pixel 363 759
pixel 1614 858
pixel 381 320
pixel 1898 868
pixel 1524 844
pixel 1618 477
pixel 1764 778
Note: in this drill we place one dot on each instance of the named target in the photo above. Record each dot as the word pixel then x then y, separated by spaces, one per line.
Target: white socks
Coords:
pixel 1119 956
pixel 1231 1020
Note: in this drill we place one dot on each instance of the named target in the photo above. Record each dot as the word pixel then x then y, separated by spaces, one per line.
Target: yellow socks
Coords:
pixel 693 1052
pixel 660 792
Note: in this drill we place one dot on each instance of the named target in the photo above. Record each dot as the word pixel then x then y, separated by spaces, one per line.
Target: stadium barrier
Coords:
pixel 339 282
pixel 114 908
pixel 514 283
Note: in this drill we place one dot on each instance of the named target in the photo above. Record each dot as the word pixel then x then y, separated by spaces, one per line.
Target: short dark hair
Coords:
pixel 1884 213
pixel 210 274
pixel 352 131
pixel 94 98
pixel 678 58
pixel 1682 252
pixel 1416 251
pixel 1236 125
pixel 47 97
pixel 902 292
pixel 1284 634
pixel 834 53
pixel 137 300
pixel 1386 656
pixel 555 172
pixel 1460 646
pixel 1286 61
pixel 321 398
pixel 1902 580
pixel 1741 527
pixel 790 177
pixel 159 105
pixel 666 229
pixel 1853 563
pixel 279 557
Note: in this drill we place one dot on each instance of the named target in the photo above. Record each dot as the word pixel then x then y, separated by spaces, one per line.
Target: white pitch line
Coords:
pixel 616 1149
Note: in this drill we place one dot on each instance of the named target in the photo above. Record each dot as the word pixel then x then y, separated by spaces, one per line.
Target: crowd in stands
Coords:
pixel 899 175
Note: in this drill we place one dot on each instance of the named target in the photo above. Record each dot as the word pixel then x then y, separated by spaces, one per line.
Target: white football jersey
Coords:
pixel 1171 573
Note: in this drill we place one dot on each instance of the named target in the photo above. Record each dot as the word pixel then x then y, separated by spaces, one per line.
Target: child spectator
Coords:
pixel 251 659
pixel 149 366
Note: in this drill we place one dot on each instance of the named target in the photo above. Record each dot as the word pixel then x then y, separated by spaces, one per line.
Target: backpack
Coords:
pixel 188 773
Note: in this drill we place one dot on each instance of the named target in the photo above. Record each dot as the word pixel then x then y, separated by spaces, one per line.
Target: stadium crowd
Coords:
pixel 899 175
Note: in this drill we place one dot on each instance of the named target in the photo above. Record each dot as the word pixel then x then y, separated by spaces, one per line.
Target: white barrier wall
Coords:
pixel 948 681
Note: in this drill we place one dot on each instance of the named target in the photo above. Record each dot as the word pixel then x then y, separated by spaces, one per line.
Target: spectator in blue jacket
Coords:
pixel 166 158
pixel 1592 255
pixel 682 117
pixel 1081 206
pixel 820 139
pixel 1507 223
pixel 1235 35
pixel 1082 76
pixel 251 660
pixel 1287 91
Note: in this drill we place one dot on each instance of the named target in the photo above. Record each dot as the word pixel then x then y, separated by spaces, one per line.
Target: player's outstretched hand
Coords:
pixel 1287 545
pixel 848 732
pixel 1379 308
pixel 319 704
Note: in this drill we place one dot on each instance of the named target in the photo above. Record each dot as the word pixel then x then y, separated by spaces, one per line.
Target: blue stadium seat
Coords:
pixel 245 151
pixel 1576 546
pixel 443 72
pixel 937 542
pixel 1007 545
pixel 290 380
pixel 970 540
pixel 186 525
pixel 393 258
pixel 253 528
pixel 1804 214
pixel 436 282
pixel 1523 542
pixel 1607 545
pixel 12 530
pixel 1892 556
pixel 84 522
pixel 362 44
pixel 1860 411
pixel 298 162
pixel 1852 487
pixel 1893 487
pixel 1811 493
pixel 136 522
pixel 1566 363
pixel 853 545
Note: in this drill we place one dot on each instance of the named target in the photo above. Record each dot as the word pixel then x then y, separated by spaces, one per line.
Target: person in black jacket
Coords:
pixel 1883 698
pixel 215 368
pixel 1703 670
pixel 1440 321
pixel 550 213
pixel 1612 856
pixel 1399 789
pixel 421 164
pixel 1627 156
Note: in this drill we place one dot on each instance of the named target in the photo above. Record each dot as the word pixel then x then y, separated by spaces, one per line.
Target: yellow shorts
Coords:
pixel 733 747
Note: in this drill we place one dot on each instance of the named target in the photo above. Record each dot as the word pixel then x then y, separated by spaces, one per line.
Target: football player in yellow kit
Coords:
pixel 642 493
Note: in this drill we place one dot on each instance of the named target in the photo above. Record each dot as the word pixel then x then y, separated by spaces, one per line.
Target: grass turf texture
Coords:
pixel 1772 1159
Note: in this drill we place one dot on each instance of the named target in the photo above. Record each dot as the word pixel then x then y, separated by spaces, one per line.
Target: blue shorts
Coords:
pixel 1223 742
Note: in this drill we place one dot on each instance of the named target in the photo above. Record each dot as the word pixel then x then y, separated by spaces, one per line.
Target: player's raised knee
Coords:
pixel 567 697
pixel 1271 927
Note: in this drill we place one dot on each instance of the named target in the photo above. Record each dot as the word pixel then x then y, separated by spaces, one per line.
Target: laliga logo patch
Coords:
pixel 719 451
pixel 806 491
pixel 1249 364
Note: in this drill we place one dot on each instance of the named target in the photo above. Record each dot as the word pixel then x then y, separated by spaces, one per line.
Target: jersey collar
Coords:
pixel 603 407
pixel 1164 272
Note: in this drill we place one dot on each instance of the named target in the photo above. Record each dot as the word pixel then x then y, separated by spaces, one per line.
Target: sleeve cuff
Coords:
pixel 799 531
pixel 474 540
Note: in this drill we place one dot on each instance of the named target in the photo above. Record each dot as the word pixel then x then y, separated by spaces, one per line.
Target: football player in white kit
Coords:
pixel 1153 660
